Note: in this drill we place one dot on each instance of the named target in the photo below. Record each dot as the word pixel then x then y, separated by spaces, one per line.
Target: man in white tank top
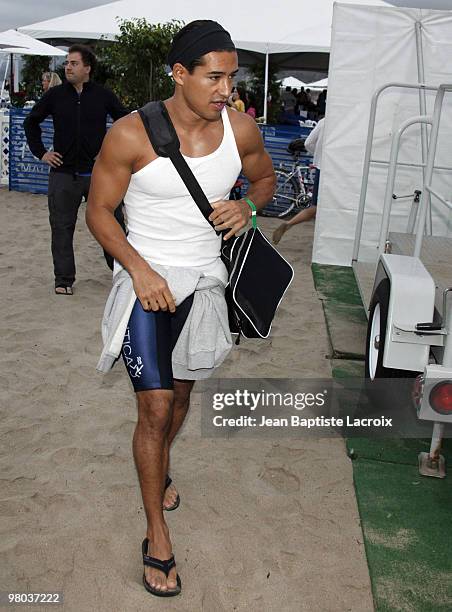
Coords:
pixel 167 229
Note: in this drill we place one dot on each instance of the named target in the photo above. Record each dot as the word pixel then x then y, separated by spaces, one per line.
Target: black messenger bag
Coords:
pixel 258 275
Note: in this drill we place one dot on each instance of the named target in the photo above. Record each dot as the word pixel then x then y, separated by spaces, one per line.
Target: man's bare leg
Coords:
pixel 150 451
pixel 304 215
pixel 182 390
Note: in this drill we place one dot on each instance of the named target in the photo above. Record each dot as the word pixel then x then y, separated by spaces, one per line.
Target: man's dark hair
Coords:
pixel 88 57
pixel 193 25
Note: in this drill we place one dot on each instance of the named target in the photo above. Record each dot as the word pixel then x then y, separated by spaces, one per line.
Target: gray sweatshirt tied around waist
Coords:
pixel 205 339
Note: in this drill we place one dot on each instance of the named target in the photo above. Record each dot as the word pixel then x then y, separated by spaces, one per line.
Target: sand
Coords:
pixel 264 524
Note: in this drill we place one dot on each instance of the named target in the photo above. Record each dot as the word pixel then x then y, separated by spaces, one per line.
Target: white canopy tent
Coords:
pixel 292 82
pixel 261 28
pixel 322 84
pixel 291 30
pixel 370 48
pixel 13 43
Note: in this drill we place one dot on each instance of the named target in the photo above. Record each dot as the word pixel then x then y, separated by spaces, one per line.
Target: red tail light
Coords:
pixel 441 397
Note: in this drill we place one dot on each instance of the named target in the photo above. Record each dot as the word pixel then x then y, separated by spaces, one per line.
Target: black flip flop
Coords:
pixel 164 566
pixel 168 481
pixel 67 290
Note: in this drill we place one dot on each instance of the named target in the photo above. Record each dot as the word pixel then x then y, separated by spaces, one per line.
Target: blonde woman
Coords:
pixel 50 79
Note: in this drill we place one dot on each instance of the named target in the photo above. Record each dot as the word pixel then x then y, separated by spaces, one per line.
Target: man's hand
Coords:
pixel 52 158
pixel 232 214
pixel 152 290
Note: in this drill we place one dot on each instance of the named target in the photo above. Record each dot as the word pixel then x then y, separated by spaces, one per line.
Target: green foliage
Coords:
pixel 256 86
pixel 33 68
pixel 18 99
pixel 134 66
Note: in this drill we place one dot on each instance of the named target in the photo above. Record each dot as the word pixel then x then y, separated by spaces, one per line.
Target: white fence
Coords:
pixel 4 153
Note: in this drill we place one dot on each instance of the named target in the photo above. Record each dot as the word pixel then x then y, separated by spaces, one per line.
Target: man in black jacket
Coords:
pixel 79 109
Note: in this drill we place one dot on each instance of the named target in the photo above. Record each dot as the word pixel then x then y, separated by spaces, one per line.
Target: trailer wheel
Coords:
pixel 376 334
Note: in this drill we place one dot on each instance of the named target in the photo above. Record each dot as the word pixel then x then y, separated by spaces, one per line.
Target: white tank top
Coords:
pixel 165 225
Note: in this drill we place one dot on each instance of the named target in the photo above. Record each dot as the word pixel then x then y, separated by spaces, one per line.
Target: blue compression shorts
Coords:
pixel 148 345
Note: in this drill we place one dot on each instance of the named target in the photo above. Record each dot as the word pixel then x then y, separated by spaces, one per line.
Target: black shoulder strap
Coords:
pixel 165 143
pixel 159 128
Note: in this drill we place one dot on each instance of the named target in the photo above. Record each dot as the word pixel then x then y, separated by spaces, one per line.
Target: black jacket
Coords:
pixel 79 123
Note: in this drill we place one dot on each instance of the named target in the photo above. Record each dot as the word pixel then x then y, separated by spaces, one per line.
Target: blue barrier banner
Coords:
pixel 277 139
pixel 26 172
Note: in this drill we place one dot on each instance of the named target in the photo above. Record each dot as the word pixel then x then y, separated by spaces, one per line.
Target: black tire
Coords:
pixel 380 396
pixel 286 196
pixel 376 335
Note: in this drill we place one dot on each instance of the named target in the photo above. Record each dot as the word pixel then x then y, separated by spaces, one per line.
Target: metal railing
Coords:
pixel 393 162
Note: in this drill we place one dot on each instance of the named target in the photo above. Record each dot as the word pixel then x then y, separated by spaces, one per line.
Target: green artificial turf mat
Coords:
pixel 345 318
pixel 401 451
pixel 344 368
pixel 336 282
pixel 406 525
pixel 346 325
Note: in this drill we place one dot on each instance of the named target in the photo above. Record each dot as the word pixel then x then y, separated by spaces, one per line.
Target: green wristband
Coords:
pixel 253 213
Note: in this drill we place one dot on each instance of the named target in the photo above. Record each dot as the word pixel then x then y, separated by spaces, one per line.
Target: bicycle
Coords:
pixel 293 190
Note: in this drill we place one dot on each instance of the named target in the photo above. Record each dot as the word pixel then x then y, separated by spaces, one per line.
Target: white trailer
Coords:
pixel 408 291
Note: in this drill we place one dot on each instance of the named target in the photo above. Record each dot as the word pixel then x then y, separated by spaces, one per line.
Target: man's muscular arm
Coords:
pixel 110 179
pixel 257 167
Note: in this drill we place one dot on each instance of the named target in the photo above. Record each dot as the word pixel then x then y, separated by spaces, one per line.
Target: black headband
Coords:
pixel 198 41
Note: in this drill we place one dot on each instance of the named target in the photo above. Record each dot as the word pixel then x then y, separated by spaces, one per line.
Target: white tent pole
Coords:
pixel 16 74
pixel 266 86
pixel 11 75
pixel 4 78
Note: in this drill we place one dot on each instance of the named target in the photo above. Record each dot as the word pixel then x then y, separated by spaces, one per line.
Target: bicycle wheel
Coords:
pixel 286 195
